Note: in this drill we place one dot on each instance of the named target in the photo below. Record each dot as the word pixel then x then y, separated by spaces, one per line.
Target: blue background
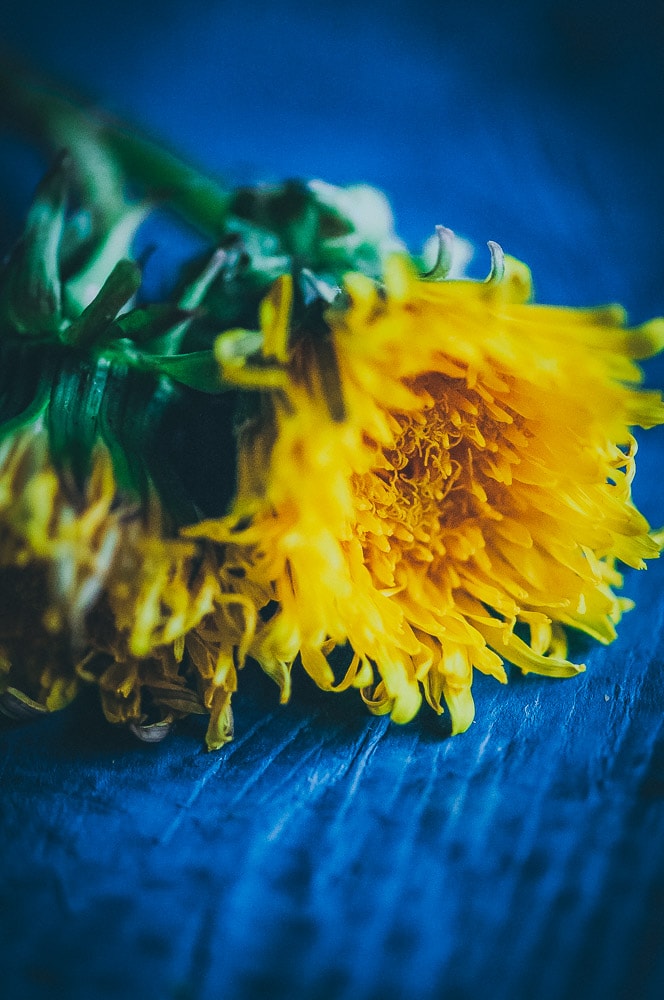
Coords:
pixel 326 854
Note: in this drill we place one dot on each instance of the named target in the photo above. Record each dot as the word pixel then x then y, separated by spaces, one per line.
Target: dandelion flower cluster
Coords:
pixel 430 474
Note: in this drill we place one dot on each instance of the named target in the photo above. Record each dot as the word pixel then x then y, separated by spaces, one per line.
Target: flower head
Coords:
pixel 439 480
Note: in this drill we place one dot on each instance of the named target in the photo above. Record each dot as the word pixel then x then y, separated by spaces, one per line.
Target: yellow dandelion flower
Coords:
pixel 440 481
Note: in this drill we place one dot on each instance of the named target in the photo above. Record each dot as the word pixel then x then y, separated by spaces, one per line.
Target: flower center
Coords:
pixel 432 494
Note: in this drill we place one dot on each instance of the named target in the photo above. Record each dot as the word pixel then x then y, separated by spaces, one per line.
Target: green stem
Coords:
pixel 54 119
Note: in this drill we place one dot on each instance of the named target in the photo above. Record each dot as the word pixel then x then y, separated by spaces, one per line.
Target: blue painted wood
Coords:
pixel 326 854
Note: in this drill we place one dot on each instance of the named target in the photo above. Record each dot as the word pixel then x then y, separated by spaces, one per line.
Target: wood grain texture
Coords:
pixel 324 854
pixel 327 855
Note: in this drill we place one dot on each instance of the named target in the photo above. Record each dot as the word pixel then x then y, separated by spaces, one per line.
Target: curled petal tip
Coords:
pixel 497 272
pixel 445 253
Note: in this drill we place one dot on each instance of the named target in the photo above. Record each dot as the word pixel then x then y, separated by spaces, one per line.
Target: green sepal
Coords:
pixel 94 323
pixel 101 396
pixel 26 370
pixel 190 300
pixel 129 417
pixel 147 323
pixel 77 394
pixel 99 254
pixel 30 286
pixel 198 370
pixel 31 413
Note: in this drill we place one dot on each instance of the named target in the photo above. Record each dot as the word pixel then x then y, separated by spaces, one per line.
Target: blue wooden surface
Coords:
pixel 326 854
